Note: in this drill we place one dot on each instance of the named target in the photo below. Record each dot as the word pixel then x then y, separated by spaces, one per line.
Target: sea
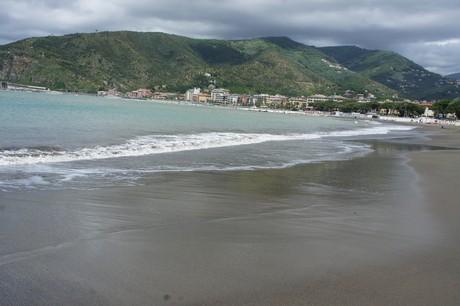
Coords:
pixel 66 141
pixel 109 201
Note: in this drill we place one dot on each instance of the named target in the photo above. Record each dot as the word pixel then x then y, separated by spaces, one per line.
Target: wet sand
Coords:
pixel 378 230
pixel 430 276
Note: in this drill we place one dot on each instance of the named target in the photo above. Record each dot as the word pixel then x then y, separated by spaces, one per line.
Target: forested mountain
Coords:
pixel 395 71
pixel 130 60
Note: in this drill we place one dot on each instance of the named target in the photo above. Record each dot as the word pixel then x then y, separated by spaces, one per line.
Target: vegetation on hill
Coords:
pixel 395 71
pixel 274 65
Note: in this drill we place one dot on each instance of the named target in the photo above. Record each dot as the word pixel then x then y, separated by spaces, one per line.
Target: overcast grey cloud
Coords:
pixel 426 32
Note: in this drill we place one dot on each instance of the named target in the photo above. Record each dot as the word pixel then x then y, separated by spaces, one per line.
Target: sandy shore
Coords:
pixel 378 230
pixel 429 277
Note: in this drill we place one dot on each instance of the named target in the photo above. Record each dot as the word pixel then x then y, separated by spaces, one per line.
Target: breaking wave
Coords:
pixel 157 144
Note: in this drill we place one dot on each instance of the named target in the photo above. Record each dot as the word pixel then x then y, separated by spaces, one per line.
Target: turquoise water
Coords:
pixel 60 141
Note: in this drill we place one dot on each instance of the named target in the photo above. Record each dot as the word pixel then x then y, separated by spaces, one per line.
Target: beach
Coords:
pixel 377 230
pixel 428 277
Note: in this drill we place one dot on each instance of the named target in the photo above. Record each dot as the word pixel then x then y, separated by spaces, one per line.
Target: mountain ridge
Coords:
pixel 130 60
pixel 455 76
pixel 395 71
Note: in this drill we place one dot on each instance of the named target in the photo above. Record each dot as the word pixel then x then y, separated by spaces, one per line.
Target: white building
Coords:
pixel 192 94
pixel 219 95
pixel 234 99
pixel 317 98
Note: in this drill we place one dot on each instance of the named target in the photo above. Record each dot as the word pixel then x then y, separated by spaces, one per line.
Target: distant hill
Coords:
pixel 455 76
pixel 130 60
pixel 395 71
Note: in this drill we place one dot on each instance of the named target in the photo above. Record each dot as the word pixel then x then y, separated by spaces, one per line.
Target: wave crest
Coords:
pixel 157 144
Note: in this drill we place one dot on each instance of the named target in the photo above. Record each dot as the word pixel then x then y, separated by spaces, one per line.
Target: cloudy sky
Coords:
pixel 427 32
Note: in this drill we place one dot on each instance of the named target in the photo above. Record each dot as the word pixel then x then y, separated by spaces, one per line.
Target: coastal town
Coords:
pixel 349 104
pixel 222 96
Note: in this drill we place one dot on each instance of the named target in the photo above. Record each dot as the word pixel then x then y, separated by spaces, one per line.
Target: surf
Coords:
pixel 161 144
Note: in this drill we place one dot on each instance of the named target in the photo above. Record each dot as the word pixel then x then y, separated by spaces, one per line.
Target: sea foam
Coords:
pixel 158 144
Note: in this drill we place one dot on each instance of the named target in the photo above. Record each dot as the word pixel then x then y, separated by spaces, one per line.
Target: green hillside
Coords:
pixel 395 71
pixel 131 60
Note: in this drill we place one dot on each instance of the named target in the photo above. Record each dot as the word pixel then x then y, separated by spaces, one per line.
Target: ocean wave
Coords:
pixel 42 176
pixel 157 144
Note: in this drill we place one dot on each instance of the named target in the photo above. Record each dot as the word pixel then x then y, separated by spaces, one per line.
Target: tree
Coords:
pixel 389 107
pixel 363 107
pixel 407 109
pixel 347 107
pixel 440 108
pixel 374 106
pixel 200 81
pixel 325 106
pixel 454 107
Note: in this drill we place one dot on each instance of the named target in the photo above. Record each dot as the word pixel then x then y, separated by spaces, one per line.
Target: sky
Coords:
pixel 426 32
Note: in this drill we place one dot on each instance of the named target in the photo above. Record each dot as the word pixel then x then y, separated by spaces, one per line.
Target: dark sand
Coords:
pixel 378 230
pixel 430 276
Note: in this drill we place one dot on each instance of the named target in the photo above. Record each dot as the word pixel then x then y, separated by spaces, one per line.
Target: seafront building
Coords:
pixel 141 93
pixel 223 96
pixel 192 94
pixel 316 98
pixel 220 95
